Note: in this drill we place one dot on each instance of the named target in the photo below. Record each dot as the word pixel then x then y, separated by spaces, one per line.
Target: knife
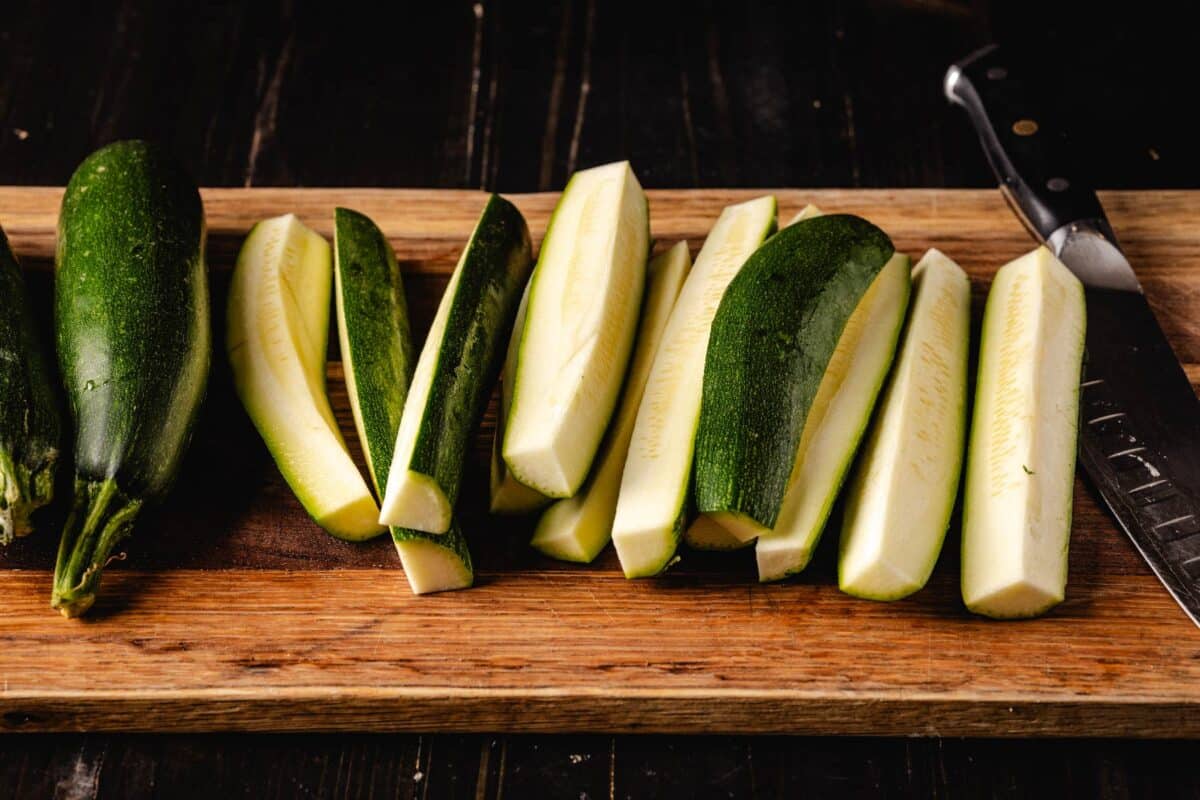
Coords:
pixel 1139 431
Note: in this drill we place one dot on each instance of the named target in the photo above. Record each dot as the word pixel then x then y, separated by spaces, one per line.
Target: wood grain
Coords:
pixel 234 612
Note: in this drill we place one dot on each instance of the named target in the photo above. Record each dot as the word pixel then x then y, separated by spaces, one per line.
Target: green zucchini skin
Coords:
pixel 134 344
pixel 771 340
pixel 377 349
pixel 30 413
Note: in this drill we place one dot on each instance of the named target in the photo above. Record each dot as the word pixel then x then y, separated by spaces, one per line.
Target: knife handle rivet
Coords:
pixel 996 73
pixel 1025 127
pixel 1058 184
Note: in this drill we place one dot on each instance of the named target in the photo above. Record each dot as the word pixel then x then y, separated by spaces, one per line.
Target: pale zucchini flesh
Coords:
pixel 584 299
pixel 578 528
pixel 900 498
pixel 1021 457
pixel 278 326
pixel 835 424
pixel 378 362
pixel 507 494
pixel 705 533
pixel 652 499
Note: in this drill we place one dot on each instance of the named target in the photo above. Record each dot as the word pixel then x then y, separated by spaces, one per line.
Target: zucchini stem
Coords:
pixel 101 516
pixel 22 491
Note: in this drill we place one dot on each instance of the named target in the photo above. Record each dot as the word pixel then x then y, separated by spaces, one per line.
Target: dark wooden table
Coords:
pixel 513 97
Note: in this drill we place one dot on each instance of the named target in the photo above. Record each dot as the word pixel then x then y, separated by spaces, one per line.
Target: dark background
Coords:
pixel 513 97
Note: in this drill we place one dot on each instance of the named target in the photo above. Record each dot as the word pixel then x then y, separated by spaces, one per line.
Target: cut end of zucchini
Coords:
pixel 355 522
pixel 430 567
pixel 583 304
pixel 647 552
pixel 510 496
pixel 1021 459
pixel 1021 600
pixel 779 557
pixel 874 577
pixel 741 527
pixel 898 504
pixel 415 501
pixel 566 533
pixel 706 534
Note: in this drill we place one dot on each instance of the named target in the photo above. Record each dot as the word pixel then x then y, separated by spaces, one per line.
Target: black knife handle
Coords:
pixel 1027 152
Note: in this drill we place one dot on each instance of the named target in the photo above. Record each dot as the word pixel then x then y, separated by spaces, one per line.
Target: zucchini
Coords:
pixel 578 528
pixel 1021 457
pixel 456 371
pixel 707 532
pixel 30 415
pixel 378 360
pixel 653 498
pixel 508 495
pixel 132 329
pixel 584 299
pixel 899 501
pixel 277 331
pixel 836 422
pixel 772 339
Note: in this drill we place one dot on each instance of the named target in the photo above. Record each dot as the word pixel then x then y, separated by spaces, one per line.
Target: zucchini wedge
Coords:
pixel 653 498
pixel 836 422
pixel 508 495
pixel 578 528
pixel 772 339
pixel 131 319
pixel 277 331
pixel 899 501
pixel 1021 457
pixel 584 299
pixel 457 370
pixel 378 360
pixel 709 533
pixel 30 413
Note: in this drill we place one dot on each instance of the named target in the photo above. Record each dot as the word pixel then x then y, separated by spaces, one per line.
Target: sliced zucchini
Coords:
pixel 653 496
pixel 578 528
pixel 836 422
pixel 457 370
pixel 773 336
pixel 584 299
pixel 508 495
pixel 1021 459
pixel 378 360
pixel 899 500
pixel 278 327
pixel 707 532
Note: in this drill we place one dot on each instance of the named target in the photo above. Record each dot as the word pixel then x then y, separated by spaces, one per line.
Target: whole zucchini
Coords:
pixel 132 327
pixel 30 418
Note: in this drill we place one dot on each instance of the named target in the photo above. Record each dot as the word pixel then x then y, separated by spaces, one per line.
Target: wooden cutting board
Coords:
pixel 234 612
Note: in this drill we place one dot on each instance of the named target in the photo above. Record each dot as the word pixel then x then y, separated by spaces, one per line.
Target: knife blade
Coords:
pixel 1139 434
